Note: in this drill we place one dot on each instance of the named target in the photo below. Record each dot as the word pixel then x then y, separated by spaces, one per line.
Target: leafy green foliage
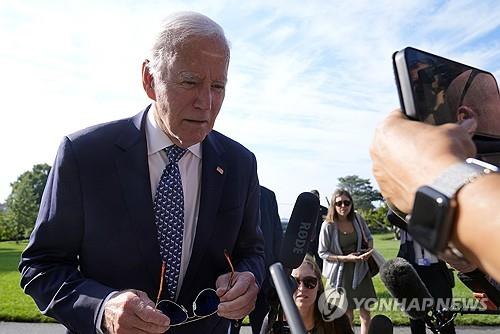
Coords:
pixel 361 191
pixel 377 220
pixel 23 203
pixel 4 230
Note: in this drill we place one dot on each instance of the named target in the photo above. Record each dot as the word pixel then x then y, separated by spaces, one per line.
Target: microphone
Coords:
pixel 396 220
pixel 404 284
pixel 300 228
pixel 292 314
pixel 380 324
pixel 293 250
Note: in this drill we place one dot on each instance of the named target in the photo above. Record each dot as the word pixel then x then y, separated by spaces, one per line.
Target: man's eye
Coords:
pixel 218 86
pixel 189 82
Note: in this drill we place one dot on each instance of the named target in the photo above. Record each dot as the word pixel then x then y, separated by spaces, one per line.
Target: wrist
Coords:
pixel 335 258
pixel 436 210
pixel 431 172
pixel 467 234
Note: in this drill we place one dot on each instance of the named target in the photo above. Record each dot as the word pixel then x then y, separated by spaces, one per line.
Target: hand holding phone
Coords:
pixel 436 90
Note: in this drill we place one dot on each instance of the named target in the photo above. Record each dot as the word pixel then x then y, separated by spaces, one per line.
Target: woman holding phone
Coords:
pixel 345 244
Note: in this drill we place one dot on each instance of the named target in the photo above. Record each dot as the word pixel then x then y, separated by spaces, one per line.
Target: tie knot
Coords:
pixel 175 153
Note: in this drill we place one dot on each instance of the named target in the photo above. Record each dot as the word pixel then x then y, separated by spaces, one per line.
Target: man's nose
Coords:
pixel 204 98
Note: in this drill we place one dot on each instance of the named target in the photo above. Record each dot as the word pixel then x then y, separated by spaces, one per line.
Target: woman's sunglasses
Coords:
pixel 205 304
pixel 345 202
pixel 309 282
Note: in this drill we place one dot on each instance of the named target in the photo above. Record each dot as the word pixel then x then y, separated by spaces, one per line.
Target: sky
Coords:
pixel 308 81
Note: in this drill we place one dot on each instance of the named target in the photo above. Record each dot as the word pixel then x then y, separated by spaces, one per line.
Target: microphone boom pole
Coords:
pixel 280 280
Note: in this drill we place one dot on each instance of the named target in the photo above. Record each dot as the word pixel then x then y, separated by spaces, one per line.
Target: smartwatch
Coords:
pixel 433 213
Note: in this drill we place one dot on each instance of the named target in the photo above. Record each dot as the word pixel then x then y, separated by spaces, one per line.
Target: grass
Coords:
pixel 389 247
pixel 16 306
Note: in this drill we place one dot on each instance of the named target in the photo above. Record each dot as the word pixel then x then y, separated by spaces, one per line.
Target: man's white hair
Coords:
pixel 175 31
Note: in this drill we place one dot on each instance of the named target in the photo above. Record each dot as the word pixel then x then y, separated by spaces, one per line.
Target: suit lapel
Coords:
pixel 212 183
pixel 133 171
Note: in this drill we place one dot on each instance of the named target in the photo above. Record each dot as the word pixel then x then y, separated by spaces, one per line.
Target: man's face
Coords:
pixel 194 87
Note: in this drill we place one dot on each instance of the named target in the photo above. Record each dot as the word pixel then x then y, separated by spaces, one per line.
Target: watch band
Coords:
pixel 456 176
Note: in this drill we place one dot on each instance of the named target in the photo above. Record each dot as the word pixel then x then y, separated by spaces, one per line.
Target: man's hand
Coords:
pixel 408 154
pixel 239 300
pixel 131 311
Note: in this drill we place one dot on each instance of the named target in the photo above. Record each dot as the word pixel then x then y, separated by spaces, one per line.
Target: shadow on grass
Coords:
pixel 9 260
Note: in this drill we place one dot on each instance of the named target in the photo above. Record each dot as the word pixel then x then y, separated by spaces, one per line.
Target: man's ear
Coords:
pixel 464 113
pixel 148 82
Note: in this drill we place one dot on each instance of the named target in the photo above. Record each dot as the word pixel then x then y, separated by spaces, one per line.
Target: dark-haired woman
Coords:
pixel 340 246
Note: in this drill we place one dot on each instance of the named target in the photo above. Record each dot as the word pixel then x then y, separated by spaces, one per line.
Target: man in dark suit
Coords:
pixel 270 224
pixel 434 274
pixel 125 196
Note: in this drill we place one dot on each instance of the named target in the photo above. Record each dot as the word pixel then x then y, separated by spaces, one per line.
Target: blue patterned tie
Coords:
pixel 169 217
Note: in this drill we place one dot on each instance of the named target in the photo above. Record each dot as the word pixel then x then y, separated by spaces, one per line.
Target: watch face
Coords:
pixel 431 219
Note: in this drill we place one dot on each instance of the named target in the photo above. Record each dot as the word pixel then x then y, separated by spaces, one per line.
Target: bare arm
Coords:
pixel 408 154
pixel 476 231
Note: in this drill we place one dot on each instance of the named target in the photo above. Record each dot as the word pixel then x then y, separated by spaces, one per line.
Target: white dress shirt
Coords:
pixel 190 169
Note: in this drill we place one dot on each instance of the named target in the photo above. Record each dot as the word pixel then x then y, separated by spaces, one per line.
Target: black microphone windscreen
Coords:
pixel 299 230
pixel 404 284
pixel 380 324
pixel 397 221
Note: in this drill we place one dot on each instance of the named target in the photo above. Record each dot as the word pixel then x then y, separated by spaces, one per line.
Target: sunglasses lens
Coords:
pixel 310 282
pixel 346 203
pixel 176 313
pixel 206 303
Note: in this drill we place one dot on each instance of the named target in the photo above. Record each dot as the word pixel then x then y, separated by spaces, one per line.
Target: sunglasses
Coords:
pixel 205 304
pixel 345 202
pixel 309 282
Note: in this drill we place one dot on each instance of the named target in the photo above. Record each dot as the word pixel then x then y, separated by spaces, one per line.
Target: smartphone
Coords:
pixel 436 90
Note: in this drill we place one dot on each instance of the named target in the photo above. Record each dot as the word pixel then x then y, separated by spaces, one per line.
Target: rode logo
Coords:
pixel 301 240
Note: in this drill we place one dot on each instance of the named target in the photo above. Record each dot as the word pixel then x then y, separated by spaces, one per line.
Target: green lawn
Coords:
pixel 386 245
pixel 16 306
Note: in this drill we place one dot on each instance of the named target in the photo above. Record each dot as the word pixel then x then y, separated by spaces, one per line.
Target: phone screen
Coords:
pixel 437 90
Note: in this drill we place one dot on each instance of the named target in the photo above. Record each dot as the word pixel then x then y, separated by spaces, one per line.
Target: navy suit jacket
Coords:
pixel 95 231
pixel 270 225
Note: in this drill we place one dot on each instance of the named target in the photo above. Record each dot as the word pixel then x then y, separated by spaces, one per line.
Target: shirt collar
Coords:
pixel 157 139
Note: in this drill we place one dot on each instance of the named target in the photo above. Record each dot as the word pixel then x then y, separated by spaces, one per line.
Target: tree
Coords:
pixel 4 232
pixel 361 191
pixel 24 201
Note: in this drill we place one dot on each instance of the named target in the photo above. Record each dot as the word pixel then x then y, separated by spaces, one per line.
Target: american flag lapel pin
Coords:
pixel 220 170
